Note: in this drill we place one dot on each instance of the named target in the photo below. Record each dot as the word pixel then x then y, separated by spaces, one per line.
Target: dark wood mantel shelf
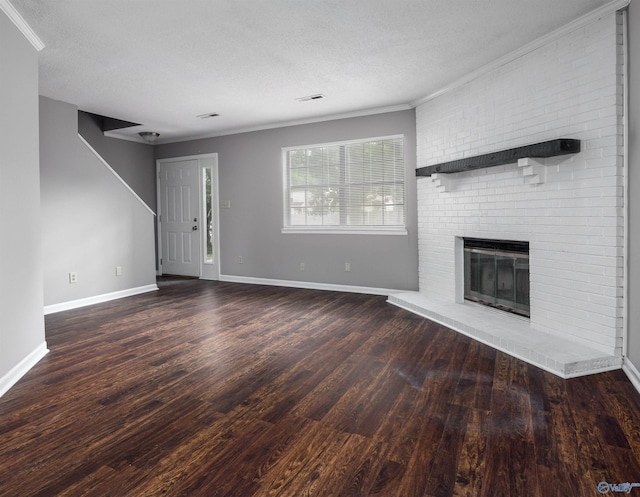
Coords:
pixel 561 146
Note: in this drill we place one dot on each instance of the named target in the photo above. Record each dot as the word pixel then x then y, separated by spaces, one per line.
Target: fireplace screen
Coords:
pixel 496 273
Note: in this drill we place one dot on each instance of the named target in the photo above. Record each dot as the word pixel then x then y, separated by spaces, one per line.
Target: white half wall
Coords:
pixel 92 222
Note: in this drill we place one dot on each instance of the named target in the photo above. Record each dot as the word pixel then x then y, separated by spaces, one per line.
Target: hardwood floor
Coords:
pixel 211 389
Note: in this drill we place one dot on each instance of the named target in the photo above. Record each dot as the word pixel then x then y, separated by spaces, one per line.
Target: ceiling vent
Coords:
pixel 317 96
pixel 207 116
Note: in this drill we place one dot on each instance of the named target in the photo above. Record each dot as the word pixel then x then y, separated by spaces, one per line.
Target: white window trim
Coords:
pixel 338 230
pixel 350 230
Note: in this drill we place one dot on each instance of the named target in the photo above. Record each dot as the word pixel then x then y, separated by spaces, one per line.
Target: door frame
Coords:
pixel 208 271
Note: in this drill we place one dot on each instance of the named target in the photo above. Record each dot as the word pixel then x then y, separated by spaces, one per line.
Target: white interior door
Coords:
pixel 180 217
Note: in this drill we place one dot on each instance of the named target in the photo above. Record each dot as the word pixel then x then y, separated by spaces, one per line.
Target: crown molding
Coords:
pixel 19 22
pixel 580 22
pixel 298 122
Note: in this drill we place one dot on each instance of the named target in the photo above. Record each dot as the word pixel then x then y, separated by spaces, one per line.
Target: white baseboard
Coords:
pixel 75 304
pixel 20 369
pixel 367 290
pixel 632 373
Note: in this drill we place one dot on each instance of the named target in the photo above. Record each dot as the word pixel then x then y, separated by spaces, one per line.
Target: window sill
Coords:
pixel 306 230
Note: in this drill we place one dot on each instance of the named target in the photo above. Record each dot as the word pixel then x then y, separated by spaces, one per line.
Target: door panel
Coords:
pixel 171 250
pixel 187 249
pixel 179 223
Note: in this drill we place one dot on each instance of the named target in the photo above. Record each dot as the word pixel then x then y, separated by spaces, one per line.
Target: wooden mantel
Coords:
pixel 560 146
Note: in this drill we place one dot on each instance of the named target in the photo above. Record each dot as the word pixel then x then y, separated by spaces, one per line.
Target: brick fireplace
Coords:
pixel 568 209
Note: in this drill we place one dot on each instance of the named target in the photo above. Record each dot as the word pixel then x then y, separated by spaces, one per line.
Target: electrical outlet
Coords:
pixel 73 277
pixel 118 270
pixel 347 266
pixel 240 259
pixel 302 266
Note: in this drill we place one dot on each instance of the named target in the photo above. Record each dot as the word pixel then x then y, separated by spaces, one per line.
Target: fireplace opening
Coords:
pixel 496 274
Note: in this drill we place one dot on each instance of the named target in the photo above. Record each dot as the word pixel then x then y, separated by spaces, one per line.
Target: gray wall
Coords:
pixel 251 177
pixel 21 317
pixel 134 162
pixel 91 221
pixel 633 326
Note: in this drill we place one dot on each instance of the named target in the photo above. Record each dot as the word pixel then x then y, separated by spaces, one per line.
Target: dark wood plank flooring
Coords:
pixel 219 389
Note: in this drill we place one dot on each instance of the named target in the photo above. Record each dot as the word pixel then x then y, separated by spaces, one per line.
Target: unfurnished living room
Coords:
pixel 319 248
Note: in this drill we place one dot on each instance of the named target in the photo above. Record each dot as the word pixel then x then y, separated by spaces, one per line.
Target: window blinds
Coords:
pixel 346 185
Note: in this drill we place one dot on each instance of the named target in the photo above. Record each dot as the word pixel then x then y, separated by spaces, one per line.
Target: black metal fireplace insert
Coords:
pixel 496 274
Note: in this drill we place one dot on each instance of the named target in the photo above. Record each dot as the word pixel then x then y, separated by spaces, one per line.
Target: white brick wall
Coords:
pixel 573 220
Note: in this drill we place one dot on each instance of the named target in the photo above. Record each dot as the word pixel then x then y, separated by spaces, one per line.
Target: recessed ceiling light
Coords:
pixel 210 114
pixel 317 96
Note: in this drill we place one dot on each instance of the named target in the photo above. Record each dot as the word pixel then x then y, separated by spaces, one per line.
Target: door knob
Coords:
pixel 195 228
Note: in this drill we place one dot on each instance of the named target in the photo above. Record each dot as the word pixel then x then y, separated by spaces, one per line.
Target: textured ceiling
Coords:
pixel 164 62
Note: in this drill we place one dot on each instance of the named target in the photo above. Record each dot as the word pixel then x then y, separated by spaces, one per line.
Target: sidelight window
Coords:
pixel 207 200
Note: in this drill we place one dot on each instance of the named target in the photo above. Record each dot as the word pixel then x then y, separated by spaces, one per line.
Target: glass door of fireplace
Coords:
pixel 496 274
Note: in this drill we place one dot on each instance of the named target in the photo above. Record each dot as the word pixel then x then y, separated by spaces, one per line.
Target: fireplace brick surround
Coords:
pixel 569 208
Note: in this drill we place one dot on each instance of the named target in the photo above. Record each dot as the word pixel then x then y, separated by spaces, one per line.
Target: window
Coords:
pixel 207 196
pixel 355 186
